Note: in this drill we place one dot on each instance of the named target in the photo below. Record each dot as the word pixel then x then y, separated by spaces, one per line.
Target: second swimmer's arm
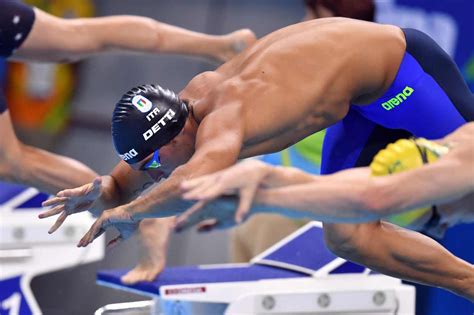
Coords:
pixel 354 196
pixel 332 198
pixel 56 39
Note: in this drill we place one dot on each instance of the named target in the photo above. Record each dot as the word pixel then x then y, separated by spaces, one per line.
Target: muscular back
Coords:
pixel 301 79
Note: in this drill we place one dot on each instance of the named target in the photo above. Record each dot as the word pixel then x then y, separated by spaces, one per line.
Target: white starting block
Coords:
pixel 298 275
pixel 27 250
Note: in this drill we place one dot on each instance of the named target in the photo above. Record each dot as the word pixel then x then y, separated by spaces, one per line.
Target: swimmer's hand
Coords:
pixel 209 215
pixel 119 217
pixel 70 201
pixel 242 179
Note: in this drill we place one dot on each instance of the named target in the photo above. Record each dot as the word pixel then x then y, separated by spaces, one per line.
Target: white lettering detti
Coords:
pixel 161 123
pixel 129 155
pixel 153 113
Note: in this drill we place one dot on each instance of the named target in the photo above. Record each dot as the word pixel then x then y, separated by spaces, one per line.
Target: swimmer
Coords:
pixel 292 83
pixel 30 34
pixel 354 196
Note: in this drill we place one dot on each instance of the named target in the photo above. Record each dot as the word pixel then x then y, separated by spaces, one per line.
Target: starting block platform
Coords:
pixel 298 275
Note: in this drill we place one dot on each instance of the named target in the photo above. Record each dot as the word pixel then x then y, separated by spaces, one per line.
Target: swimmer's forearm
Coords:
pixel 161 201
pixel 70 40
pixel 278 176
pixel 46 171
pixel 127 184
pixel 354 196
pixel 437 183
pixel 341 197
pixel 337 202
pixel 73 39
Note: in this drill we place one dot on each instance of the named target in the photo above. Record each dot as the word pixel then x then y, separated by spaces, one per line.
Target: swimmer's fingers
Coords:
pixel 74 192
pixel 189 217
pixel 54 201
pixel 106 219
pixel 83 190
pixel 207 190
pixel 58 222
pixel 245 202
pixel 89 236
pixel 193 188
pixel 49 213
pixel 193 183
pixel 97 229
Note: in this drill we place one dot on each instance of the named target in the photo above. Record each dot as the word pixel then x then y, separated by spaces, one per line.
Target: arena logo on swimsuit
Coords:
pixel 398 99
pixel 161 123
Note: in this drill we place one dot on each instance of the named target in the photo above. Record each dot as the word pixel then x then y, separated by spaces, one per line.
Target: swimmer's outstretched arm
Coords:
pixel 23 164
pixel 121 186
pixel 64 40
pixel 354 194
pixel 347 196
pixel 217 146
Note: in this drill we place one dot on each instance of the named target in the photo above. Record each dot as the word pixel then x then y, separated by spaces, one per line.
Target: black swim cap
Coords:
pixel 145 119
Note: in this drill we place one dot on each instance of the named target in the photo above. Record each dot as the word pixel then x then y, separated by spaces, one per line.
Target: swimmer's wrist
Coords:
pixel 262 202
pixel 267 171
pixel 110 195
pixel 136 209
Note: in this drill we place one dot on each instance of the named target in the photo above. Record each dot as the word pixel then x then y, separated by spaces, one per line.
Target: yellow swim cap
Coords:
pixel 403 155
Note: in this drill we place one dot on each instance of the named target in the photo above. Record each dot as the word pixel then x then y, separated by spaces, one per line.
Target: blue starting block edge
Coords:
pixel 197 274
pixel 302 254
pixel 10 191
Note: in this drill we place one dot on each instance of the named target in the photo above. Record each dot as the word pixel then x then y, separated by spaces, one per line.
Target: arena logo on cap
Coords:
pixel 129 155
pixel 142 103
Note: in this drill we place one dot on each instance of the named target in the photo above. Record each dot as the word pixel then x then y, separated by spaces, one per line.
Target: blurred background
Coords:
pixel 75 102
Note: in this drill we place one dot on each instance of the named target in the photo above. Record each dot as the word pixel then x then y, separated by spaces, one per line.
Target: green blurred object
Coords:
pixel 311 147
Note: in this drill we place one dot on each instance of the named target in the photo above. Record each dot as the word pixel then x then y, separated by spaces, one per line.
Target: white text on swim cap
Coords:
pixel 129 155
pixel 152 114
pixel 161 123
